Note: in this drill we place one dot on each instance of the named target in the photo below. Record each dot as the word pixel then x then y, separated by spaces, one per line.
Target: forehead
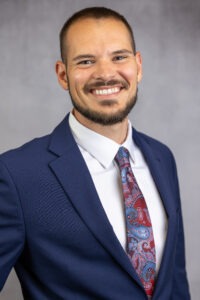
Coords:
pixel 86 33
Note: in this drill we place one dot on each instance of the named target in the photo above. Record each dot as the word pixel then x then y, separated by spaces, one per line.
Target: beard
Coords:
pixel 103 118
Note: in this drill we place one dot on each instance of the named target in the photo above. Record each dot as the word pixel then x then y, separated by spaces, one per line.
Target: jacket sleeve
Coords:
pixel 180 290
pixel 11 224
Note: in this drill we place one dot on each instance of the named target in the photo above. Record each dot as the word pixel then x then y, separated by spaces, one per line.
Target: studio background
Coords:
pixel 32 103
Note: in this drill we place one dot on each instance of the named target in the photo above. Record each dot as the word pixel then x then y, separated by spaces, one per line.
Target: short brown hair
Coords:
pixel 95 13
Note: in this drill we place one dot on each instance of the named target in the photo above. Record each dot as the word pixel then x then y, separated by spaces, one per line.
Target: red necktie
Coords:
pixel 140 241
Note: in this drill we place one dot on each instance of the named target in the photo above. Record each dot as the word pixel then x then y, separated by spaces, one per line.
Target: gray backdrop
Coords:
pixel 168 35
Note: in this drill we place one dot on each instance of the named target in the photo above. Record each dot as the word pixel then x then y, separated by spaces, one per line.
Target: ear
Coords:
pixel 60 69
pixel 138 58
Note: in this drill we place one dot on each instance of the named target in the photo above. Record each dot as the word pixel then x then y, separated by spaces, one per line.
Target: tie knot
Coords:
pixel 122 157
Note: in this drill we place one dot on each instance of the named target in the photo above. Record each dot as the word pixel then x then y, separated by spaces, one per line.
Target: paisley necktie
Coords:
pixel 140 240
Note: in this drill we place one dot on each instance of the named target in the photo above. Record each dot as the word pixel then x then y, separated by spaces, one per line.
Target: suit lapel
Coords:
pixel 160 173
pixel 71 171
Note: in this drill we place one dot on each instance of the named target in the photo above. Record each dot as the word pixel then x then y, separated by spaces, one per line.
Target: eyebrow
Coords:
pixel 83 56
pixel 87 56
pixel 123 51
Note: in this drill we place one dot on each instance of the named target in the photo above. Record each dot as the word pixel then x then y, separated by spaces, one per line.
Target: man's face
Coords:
pixel 102 71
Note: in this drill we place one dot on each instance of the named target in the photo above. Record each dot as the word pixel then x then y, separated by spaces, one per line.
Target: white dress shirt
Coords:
pixel 98 152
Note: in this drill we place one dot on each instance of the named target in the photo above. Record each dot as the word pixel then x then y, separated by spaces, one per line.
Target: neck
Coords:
pixel 117 132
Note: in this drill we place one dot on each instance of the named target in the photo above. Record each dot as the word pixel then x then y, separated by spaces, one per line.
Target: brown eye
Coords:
pixel 86 62
pixel 119 57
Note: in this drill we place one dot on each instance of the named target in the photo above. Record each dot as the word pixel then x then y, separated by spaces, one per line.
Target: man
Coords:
pixel 92 211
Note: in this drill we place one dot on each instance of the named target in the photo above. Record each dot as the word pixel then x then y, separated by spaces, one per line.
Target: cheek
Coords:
pixel 80 77
pixel 129 73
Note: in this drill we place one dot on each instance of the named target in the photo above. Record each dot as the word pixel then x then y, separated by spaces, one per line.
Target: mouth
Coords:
pixel 106 88
pixel 106 91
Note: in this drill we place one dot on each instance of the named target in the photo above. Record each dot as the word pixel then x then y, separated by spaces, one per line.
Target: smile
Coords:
pixel 104 91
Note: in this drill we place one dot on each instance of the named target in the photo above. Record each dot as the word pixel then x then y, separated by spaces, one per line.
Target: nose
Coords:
pixel 104 70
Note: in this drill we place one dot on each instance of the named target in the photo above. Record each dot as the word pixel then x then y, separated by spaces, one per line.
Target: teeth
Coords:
pixel 107 91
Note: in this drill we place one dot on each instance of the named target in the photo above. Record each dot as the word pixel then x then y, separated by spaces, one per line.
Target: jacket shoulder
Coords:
pixel 32 150
pixel 154 144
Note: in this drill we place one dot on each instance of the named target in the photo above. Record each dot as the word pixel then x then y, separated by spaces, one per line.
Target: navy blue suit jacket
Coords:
pixel 54 230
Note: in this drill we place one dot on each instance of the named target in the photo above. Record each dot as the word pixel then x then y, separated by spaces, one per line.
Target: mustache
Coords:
pixel 91 86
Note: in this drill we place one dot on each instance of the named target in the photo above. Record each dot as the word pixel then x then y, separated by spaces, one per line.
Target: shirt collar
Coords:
pixel 99 146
